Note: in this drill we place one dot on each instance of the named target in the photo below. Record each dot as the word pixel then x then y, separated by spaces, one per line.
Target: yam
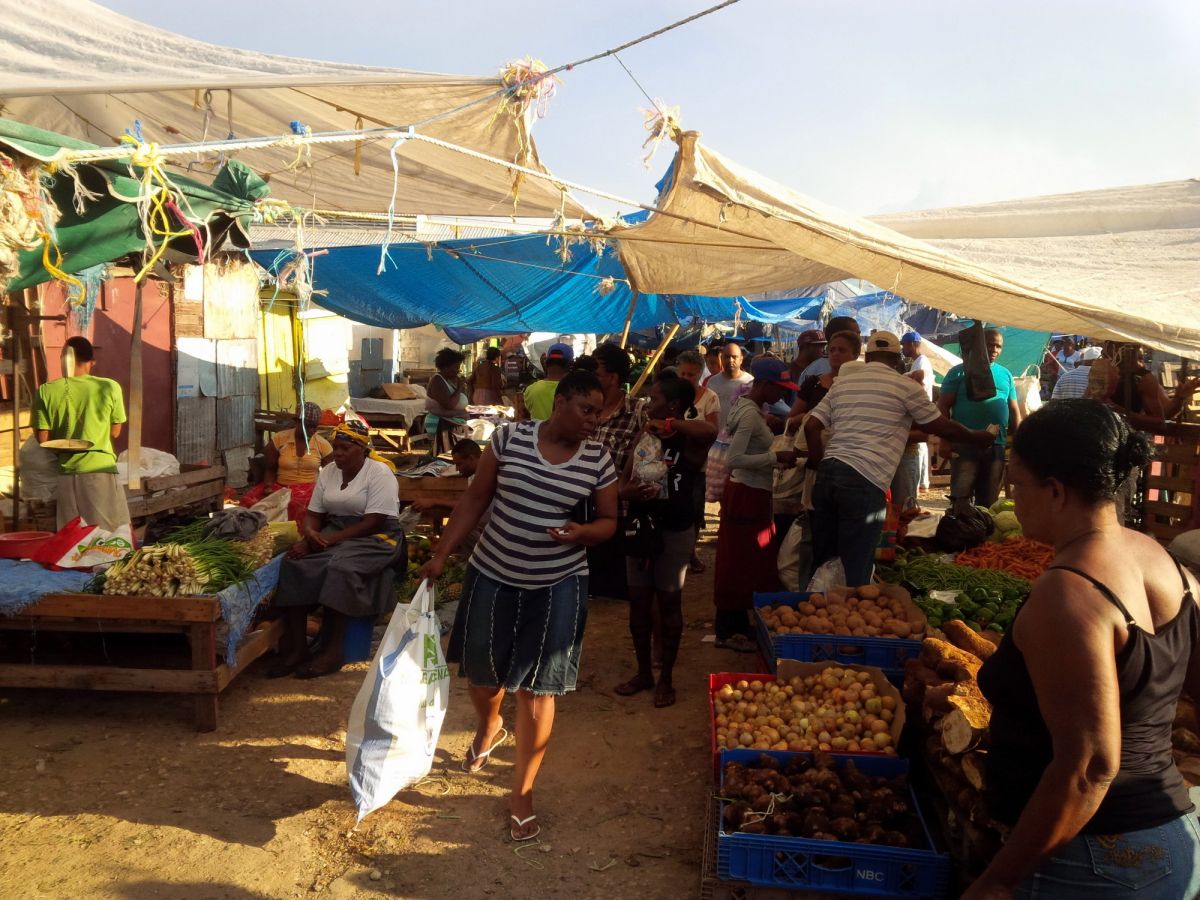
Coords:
pixel 962 637
pixel 937 698
pixel 966 724
pixel 973 767
pixel 917 679
pixel 1186 740
pixel 949 661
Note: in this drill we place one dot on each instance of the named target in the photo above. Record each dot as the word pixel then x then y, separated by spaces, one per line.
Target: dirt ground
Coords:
pixel 115 796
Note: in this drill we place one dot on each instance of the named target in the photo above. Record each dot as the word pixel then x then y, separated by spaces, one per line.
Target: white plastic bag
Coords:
pixel 274 506
pixel 831 574
pixel 39 471
pixel 397 715
pixel 795 557
pixel 1029 391
pixel 151 464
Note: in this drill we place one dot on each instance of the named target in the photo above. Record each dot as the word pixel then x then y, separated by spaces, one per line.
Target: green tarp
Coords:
pixel 109 229
pixel 1022 349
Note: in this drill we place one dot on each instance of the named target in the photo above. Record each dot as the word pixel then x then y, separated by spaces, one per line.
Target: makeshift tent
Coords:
pixel 1121 264
pixel 77 68
pixel 516 283
pixel 108 227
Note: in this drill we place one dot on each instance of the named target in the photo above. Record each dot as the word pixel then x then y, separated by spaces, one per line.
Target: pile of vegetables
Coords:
pixel 815 799
pixel 860 612
pixel 982 598
pixel 1004 517
pixel 1018 556
pixel 927 572
pixel 175 570
pixel 837 709
pixel 257 551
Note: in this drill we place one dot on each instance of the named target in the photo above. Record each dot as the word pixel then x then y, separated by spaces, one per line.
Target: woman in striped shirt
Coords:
pixel 524 601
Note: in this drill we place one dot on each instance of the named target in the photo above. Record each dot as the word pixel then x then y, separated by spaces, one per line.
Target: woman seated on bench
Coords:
pixel 345 562
pixel 294 457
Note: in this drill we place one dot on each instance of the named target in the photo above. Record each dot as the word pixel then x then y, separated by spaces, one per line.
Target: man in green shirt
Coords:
pixel 539 396
pixel 84 407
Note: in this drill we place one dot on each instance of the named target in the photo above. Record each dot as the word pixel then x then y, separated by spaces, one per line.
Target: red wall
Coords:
pixel 109 331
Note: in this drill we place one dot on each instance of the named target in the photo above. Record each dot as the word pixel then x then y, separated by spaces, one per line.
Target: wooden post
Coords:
pixel 662 348
pixel 134 455
pixel 16 320
pixel 633 299
pixel 203 639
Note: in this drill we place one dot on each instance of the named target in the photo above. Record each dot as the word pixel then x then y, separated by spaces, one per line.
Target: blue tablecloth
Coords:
pixel 23 583
pixel 239 601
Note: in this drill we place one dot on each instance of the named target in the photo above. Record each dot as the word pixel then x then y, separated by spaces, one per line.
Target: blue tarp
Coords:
pixel 506 284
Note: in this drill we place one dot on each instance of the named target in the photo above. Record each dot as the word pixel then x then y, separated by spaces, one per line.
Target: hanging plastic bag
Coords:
pixel 977 370
pixel 1029 390
pixel 397 716
pixel 716 472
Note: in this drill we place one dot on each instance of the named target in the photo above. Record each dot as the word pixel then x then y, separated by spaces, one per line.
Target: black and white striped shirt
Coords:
pixel 533 495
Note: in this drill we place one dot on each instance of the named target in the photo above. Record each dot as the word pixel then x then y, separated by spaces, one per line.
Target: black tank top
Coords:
pixel 1148 789
pixel 676 511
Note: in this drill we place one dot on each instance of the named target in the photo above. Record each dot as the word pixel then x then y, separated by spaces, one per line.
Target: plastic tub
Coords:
pixel 22 544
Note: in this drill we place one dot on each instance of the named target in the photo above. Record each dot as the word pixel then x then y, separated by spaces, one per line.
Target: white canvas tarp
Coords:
pixel 1109 264
pixel 76 68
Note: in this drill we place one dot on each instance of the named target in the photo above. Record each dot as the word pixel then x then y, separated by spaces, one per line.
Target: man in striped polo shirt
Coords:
pixel 870 417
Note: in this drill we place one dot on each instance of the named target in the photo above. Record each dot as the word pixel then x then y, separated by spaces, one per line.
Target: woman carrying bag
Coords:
pixel 524 598
pixel 665 510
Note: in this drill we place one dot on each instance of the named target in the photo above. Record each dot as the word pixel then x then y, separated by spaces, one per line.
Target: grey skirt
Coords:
pixel 520 639
pixel 355 577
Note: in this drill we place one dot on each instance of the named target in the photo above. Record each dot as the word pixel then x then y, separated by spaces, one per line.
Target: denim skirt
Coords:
pixel 522 639
pixel 1162 863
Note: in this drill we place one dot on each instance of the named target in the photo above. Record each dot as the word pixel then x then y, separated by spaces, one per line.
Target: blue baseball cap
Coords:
pixel 560 352
pixel 774 370
pixel 910 337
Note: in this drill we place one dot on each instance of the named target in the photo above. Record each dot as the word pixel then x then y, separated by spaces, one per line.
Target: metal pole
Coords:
pixel 662 348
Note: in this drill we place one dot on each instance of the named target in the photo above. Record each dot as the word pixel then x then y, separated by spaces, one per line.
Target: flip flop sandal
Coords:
pixel 739 643
pixel 633 686
pixel 521 823
pixel 472 757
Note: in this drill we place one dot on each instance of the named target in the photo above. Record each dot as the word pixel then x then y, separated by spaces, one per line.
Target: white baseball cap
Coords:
pixel 881 342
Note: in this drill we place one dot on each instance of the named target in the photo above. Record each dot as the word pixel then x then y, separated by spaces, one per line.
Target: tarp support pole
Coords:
pixel 633 299
pixel 662 348
pixel 16 321
pixel 135 393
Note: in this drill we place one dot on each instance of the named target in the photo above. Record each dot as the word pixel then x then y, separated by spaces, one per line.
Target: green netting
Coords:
pixel 109 228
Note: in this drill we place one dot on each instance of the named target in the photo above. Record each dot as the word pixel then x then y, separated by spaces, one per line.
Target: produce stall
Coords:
pixel 197 585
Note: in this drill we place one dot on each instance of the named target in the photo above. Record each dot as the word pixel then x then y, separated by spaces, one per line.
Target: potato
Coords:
pixel 868 592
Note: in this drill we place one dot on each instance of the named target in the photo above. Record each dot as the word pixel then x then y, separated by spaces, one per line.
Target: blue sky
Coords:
pixel 872 106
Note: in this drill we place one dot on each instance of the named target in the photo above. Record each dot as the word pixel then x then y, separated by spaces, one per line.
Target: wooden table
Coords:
pixel 432 487
pixel 194 617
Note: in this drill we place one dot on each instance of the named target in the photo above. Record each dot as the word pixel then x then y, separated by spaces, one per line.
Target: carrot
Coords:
pixel 1020 556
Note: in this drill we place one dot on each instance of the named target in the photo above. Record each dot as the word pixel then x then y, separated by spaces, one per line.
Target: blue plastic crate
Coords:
pixel 888 654
pixel 800 863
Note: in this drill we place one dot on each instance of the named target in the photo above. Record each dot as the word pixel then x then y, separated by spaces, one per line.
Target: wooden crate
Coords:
pixel 1170 502
pixel 194 486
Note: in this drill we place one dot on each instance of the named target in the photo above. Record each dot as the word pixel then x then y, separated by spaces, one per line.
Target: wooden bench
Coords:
pixel 196 618
pixel 194 486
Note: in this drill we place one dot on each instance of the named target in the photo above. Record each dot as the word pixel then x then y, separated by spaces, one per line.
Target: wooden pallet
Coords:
pixel 196 618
